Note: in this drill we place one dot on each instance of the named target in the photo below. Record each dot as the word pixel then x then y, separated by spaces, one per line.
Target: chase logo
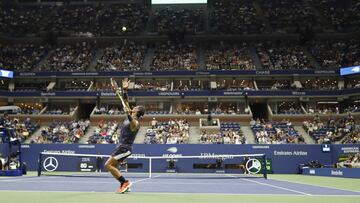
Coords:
pixel 172 150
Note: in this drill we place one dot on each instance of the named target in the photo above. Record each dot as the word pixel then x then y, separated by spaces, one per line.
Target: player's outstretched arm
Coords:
pixel 133 120
pixel 120 93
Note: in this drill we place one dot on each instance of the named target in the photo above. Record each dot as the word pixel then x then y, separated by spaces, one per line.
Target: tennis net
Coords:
pixel 176 166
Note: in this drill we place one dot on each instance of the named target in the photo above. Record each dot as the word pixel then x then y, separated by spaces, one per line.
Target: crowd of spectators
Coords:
pixel 333 54
pixel 76 57
pixel 352 108
pixel 324 109
pixel 105 133
pixel 114 18
pixel 224 56
pixel 349 161
pixel 58 109
pixel 4 84
pixel 278 85
pixel 230 133
pixel 174 56
pixel 210 137
pixel 352 137
pixel 22 20
pixel 21 57
pixel 289 16
pixel 343 15
pixel 62 132
pixel 201 109
pixel 74 85
pixel 190 85
pixel 31 109
pixel 75 19
pixel 354 83
pixel 152 86
pixel 108 110
pixel 224 17
pixel 171 132
pixel 19 130
pixel 320 84
pixel 128 56
pixel 288 108
pixel 282 55
pixel 173 19
pixel 235 17
pixel 275 132
pixel 234 85
pixel 330 131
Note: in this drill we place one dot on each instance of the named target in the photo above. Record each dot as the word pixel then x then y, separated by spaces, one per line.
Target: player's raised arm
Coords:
pixel 125 87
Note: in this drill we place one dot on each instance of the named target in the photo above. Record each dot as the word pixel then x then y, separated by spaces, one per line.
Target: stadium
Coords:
pixel 180 101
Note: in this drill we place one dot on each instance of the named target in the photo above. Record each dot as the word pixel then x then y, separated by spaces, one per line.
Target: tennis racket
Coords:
pixel 118 91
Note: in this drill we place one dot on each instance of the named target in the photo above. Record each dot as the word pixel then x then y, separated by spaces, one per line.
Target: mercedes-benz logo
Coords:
pixel 253 166
pixel 50 164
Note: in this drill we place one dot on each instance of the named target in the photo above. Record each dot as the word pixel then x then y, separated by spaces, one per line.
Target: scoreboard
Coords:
pixel 6 73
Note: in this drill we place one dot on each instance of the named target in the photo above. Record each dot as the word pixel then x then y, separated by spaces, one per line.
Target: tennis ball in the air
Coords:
pixel 123 28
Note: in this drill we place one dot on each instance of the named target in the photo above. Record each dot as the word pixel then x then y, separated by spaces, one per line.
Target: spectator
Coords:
pixel 224 56
pixel 234 17
pixel 126 57
pixel 171 56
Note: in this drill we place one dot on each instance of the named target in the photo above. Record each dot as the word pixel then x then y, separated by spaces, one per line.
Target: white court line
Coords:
pixel 141 180
pixel 290 181
pixel 274 186
pixel 180 193
pixel 23 179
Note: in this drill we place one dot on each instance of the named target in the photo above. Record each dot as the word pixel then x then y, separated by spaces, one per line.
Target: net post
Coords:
pixel 150 169
pixel 265 168
pixel 39 162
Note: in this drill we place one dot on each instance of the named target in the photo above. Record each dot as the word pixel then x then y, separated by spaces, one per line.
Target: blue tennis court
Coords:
pixel 173 183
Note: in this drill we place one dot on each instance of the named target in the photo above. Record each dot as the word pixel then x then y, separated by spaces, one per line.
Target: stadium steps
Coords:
pixel 206 19
pixel 88 133
pixel 249 135
pixel 150 23
pixel 201 57
pixel 44 61
pixel 261 15
pixel 141 135
pixel 148 58
pixel 194 135
pixel 307 137
pixel 35 134
pixel 313 61
pixel 328 26
pixel 255 58
pixel 97 56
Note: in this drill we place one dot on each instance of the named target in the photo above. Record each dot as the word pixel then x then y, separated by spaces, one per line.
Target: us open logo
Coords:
pixel 253 166
pixel 50 164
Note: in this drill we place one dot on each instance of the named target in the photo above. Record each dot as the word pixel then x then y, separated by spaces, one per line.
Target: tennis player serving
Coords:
pixel 129 129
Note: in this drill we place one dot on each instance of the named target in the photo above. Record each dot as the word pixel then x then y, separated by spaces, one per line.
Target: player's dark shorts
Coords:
pixel 121 152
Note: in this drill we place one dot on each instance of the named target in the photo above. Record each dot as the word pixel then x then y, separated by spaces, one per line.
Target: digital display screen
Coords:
pixel 6 73
pixel 350 70
pixel 178 1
